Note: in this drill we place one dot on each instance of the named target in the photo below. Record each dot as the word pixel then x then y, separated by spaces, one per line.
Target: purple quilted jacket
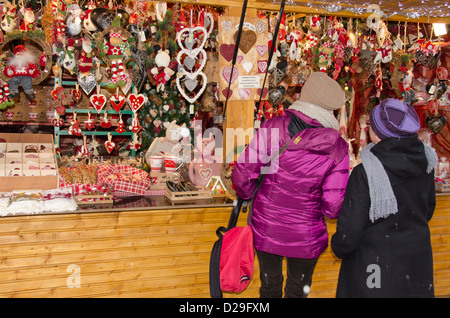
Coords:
pixel 305 184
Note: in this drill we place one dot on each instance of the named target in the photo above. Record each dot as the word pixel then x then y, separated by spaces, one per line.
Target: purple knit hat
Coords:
pixel 394 118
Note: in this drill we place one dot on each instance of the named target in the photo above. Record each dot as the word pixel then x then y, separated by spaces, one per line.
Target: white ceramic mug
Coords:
pixel 156 163
pixel 172 163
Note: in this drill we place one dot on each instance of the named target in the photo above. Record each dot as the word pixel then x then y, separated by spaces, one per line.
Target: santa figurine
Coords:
pixel 21 69
pixel 28 20
pixel 85 60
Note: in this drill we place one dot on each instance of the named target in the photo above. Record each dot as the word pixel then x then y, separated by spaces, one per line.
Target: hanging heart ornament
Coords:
pixel 136 101
pixel 109 144
pixel 117 101
pixel 57 122
pixel 98 101
pixel 198 94
pixel 76 95
pixel 87 82
pixel 436 123
pixel 187 49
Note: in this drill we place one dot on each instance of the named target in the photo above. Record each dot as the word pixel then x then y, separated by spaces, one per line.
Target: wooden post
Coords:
pixel 240 114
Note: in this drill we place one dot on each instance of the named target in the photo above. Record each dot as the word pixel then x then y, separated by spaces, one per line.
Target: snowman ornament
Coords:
pixel 9 21
pixel 69 62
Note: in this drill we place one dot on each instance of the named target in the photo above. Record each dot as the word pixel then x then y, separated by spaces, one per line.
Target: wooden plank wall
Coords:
pixel 159 253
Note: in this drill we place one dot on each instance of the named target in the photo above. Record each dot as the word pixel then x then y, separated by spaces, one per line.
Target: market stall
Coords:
pixel 121 121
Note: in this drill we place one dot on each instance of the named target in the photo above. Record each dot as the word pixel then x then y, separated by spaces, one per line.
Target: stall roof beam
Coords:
pixel 423 11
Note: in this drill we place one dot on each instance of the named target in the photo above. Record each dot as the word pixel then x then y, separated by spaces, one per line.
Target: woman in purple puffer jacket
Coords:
pixel 305 184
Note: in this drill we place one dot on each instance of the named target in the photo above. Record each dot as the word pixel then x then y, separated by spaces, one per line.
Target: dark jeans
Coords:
pixel 299 275
pixel 26 82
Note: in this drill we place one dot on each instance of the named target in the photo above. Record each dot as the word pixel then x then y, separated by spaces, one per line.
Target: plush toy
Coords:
pixel 206 164
pixel 115 55
pixel 21 69
pixel 164 69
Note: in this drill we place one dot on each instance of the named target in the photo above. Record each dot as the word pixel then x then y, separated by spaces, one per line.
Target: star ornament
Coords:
pixel 398 44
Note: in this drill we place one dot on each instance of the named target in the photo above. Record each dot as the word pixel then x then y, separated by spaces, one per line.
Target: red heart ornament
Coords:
pixel 98 101
pixel 136 101
pixel 227 51
pixel 61 110
pixel 76 95
pixel 157 129
pixel 264 92
pixel 56 92
pixel 105 124
pixel 117 101
pixel 57 122
pixel 109 145
pixel 228 92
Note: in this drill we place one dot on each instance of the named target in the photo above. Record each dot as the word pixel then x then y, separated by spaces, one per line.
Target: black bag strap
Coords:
pixel 261 178
pixel 214 264
pixel 236 48
pixel 272 48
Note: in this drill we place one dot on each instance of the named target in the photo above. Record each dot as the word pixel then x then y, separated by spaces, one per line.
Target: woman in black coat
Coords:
pixel 382 233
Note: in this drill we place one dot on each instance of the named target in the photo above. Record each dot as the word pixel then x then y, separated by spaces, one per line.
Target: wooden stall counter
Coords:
pixel 148 247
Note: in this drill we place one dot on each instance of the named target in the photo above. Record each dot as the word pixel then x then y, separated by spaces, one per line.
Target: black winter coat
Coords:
pixel 391 257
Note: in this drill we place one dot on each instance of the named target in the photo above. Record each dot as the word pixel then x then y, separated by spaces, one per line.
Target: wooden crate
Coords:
pixel 442 187
pixel 14 148
pixel 201 194
pixel 94 199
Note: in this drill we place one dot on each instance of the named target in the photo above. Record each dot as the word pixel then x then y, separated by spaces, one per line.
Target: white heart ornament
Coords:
pixel 247 66
pixel 200 68
pixel 244 93
pixel 153 112
pixel 210 24
pixel 166 124
pixel 192 53
pixel 87 83
pixel 190 84
pixel 199 93
pixel 261 49
pixel 227 25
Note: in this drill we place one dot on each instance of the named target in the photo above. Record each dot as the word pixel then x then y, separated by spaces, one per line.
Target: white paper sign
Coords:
pixel 249 81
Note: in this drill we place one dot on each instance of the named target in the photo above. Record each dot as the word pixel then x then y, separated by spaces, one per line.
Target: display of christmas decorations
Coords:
pixel 133 79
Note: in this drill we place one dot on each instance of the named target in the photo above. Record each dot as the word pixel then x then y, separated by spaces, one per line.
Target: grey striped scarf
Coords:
pixel 382 198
